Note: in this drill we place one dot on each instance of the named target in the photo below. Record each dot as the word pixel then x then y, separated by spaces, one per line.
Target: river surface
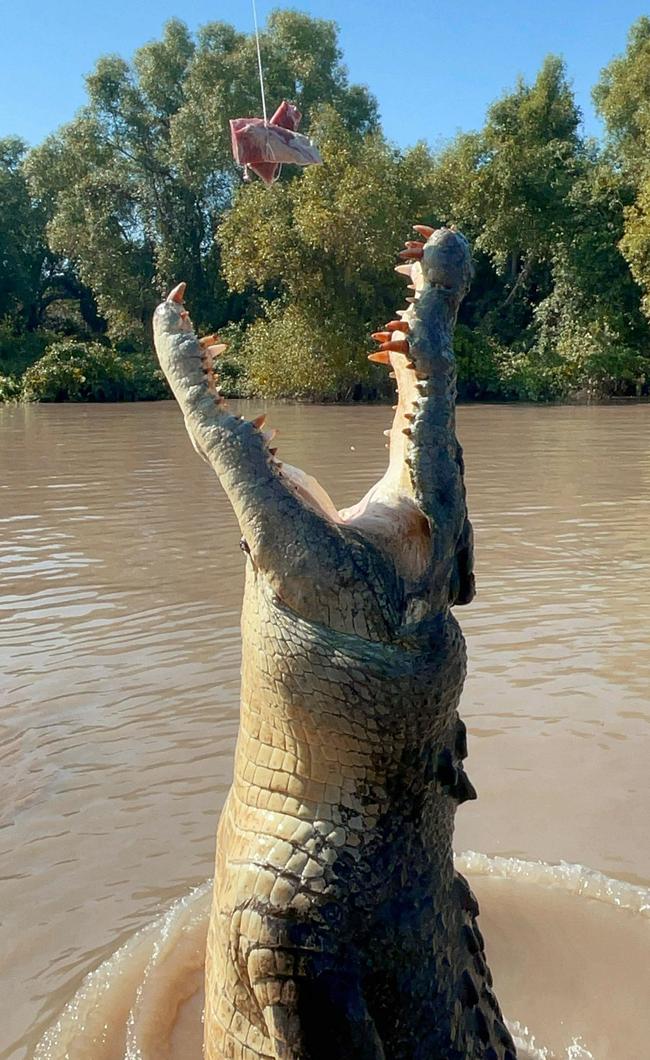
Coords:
pixel 121 580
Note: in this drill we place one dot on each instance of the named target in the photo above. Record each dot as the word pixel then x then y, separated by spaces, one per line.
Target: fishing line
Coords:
pixel 259 62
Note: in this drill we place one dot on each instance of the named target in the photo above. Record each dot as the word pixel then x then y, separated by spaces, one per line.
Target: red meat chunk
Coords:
pixel 263 148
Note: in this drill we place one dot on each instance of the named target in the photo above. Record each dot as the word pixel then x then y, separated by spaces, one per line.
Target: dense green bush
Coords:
pixel 476 364
pixel 230 368
pixel 10 388
pixel 71 370
pixel 286 355
pixel 18 351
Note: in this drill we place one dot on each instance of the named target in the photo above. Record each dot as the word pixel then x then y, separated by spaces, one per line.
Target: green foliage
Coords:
pixel 10 388
pixel 18 351
pixel 22 236
pixel 74 371
pixel 324 246
pixel 135 185
pixel 635 244
pixel 507 186
pixel 622 97
pixel 477 364
pixel 286 356
pixel 526 166
pixel 140 191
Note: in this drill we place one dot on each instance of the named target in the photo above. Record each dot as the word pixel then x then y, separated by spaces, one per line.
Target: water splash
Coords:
pixel 146 1001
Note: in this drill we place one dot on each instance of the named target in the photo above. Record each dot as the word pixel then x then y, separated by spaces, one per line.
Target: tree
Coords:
pixel 623 99
pixel 508 188
pixel 589 333
pixel 32 276
pixel 23 249
pixel 136 184
pixel 321 261
pixel 525 167
pixel 553 307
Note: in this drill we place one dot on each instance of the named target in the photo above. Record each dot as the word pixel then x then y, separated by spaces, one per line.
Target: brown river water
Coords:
pixel 121 582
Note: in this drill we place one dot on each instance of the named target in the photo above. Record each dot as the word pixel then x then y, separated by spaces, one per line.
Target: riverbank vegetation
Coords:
pixel 140 190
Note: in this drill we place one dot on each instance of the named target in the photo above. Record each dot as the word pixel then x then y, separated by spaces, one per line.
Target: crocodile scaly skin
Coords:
pixel 339 927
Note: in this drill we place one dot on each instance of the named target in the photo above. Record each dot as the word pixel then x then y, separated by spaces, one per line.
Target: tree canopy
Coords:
pixel 134 187
pixel 140 190
pixel 623 98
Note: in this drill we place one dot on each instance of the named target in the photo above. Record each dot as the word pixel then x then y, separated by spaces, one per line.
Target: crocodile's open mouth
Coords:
pixel 389 513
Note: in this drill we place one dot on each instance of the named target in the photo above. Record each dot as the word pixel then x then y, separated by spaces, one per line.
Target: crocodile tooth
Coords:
pixel 414 254
pixel 387 433
pixel 398 325
pixel 396 345
pixel 177 294
pixel 424 230
pixel 207 340
pixel 405 270
pixel 259 421
pixel 381 357
pixel 407 431
pixel 381 336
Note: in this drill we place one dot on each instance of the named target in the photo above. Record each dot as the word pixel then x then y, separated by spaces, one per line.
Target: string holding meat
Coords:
pixel 263 147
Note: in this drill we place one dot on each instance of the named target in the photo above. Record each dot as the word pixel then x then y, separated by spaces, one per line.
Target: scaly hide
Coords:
pixel 339 927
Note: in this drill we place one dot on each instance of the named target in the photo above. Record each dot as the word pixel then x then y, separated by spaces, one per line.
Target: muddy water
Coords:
pixel 121 576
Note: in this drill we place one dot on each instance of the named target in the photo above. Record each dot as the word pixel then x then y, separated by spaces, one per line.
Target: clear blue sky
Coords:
pixel 434 67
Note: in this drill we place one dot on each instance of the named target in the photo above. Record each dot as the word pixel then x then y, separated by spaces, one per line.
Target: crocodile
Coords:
pixel 339 926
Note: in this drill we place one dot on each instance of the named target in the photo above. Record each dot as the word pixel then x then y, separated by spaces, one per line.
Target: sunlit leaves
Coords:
pixel 135 186
pixel 325 243
pixel 623 98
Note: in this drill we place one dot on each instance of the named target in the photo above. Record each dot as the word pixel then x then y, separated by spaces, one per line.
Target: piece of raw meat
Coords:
pixel 263 148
